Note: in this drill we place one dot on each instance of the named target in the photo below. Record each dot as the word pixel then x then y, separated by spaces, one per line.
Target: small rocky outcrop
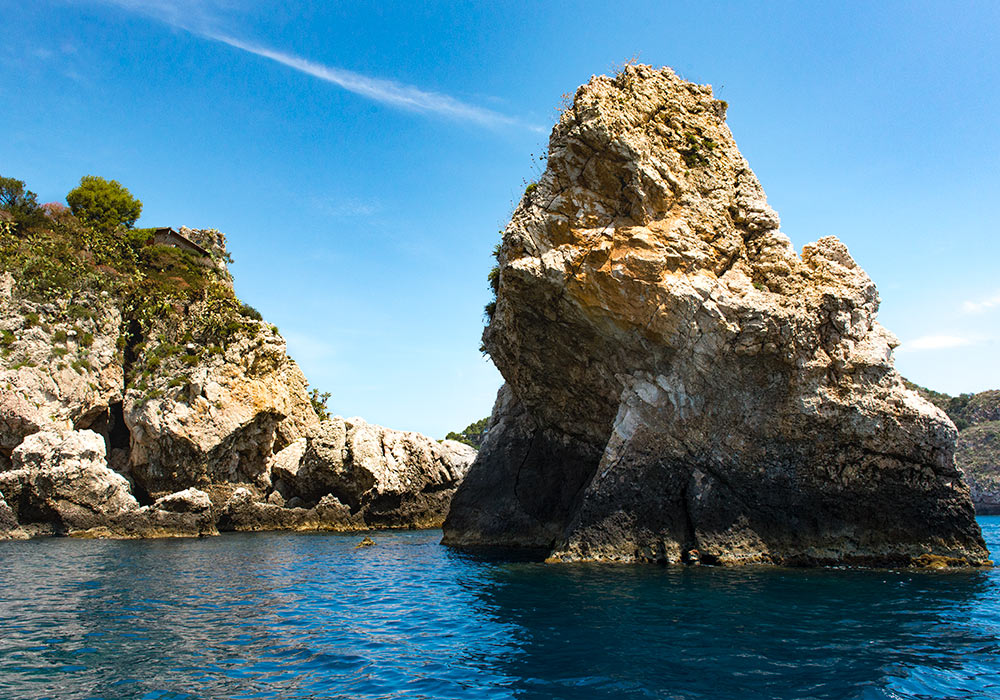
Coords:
pixel 681 385
pixel 60 484
pixel 186 501
pixel 352 475
pixel 244 512
pixel 63 480
pixel 10 528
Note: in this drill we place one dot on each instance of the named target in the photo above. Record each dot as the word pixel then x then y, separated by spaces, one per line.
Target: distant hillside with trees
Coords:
pixel 977 417
pixel 472 435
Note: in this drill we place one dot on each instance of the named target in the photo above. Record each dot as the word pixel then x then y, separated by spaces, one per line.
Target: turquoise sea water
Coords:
pixel 309 616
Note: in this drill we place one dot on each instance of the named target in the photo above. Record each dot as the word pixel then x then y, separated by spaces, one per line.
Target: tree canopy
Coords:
pixel 19 203
pixel 15 198
pixel 104 204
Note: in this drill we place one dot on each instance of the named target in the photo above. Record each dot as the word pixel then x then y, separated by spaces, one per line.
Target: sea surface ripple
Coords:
pixel 309 616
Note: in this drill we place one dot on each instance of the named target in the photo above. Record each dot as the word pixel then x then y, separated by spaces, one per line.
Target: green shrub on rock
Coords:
pixel 472 435
pixel 20 203
pixel 318 400
pixel 103 204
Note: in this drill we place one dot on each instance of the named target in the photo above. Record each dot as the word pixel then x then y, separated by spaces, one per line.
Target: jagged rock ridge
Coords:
pixel 351 475
pixel 680 384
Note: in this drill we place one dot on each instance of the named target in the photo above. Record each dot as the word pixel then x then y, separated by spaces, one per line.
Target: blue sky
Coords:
pixel 362 157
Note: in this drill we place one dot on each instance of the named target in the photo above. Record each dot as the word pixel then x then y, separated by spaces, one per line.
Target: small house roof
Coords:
pixel 168 232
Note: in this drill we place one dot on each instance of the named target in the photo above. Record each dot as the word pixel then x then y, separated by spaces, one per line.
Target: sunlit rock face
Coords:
pixel 219 427
pixel 44 386
pixel 60 484
pixel 681 385
pixel 352 475
pixel 123 420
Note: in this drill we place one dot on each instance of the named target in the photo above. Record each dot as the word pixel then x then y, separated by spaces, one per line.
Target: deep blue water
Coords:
pixel 309 616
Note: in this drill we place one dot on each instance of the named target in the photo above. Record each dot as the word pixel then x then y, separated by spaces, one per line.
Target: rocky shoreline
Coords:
pixel 351 476
pixel 681 386
pixel 173 410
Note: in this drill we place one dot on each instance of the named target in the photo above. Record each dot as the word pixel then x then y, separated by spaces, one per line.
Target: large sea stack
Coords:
pixel 681 385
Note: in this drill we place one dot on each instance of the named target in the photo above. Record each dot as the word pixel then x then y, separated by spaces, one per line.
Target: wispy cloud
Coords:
pixel 381 90
pixel 975 307
pixel 194 16
pixel 935 342
pixel 201 19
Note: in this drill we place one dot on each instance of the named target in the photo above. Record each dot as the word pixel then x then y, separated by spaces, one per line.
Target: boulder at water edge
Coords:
pixel 61 484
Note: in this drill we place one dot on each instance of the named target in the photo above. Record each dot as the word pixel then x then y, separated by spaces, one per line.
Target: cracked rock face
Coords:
pixel 681 385
pixel 63 478
pixel 221 424
pixel 352 474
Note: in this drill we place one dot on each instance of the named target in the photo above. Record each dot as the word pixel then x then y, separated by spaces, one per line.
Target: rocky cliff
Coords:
pixel 139 397
pixel 681 385
pixel 977 417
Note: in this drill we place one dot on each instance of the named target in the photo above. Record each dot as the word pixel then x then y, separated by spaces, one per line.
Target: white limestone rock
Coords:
pixel 63 478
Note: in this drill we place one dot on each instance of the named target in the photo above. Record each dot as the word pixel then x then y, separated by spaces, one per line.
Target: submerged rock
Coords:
pixel 678 379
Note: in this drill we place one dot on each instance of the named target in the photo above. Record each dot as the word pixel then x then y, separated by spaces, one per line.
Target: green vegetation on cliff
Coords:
pixel 318 400
pixel 103 204
pixel 494 280
pixel 977 417
pixel 18 202
pixel 979 446
pixel 472 435
pixel 965 410
pixel 173 302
